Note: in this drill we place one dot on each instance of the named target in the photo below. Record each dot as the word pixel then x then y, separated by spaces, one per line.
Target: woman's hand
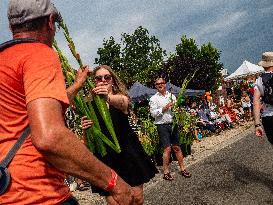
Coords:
pixel 86 123
pixel 101 89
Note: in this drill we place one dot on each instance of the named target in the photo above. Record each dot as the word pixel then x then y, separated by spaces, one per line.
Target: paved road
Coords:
pixel 240 174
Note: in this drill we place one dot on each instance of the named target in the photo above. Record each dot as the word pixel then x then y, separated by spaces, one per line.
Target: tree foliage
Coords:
pixel 188 58
pixel 110 54
pixel 138 57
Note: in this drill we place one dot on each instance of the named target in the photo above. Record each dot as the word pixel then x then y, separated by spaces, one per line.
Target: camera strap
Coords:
pixel 12 42
pixel 5 162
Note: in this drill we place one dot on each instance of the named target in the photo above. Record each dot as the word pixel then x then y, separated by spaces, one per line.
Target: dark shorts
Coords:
pixel 167 135
pixel 268 127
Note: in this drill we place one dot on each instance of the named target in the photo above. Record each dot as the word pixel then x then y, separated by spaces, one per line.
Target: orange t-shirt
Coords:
pixel 29 71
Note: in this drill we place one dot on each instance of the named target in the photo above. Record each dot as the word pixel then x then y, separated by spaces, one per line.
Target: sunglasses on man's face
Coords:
pixel 100 78
pixel 161 83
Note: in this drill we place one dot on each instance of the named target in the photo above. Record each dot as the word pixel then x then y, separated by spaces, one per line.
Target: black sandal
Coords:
pixel 185 174
pixel 168 177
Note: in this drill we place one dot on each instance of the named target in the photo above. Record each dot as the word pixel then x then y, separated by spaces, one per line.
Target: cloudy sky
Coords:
pixel 240 29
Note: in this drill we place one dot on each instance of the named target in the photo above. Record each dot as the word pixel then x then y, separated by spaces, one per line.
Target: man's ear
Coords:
pixel 51 23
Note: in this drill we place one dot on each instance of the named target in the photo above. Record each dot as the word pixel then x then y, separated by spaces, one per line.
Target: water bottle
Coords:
pixel 200 136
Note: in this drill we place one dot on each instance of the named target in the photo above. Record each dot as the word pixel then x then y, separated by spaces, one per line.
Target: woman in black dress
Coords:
pixel 132 163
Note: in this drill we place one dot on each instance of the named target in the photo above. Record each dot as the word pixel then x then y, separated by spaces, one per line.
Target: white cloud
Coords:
pixel 222 26
pixel 217 21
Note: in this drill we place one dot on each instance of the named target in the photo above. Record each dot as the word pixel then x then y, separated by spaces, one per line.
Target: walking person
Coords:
pixel 263 90
pixel 132 163
pixel 160 108
pixel 32 93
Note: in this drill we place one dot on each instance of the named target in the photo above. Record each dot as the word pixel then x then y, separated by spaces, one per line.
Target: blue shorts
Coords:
pixel 167 135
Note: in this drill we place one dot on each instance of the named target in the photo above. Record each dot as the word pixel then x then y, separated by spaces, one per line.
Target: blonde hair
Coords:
pixel 118 86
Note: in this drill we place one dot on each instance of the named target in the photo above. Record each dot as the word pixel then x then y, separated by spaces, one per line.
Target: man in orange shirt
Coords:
pixel 32 92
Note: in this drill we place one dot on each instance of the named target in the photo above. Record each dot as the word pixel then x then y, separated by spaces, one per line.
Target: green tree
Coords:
pixel 110 54
pixel 188 58
pixel 138 57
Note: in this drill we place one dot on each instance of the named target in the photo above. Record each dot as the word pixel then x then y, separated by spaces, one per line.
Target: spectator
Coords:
pixel 204 122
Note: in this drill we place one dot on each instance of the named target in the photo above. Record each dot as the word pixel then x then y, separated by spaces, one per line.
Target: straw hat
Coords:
pixel 267 60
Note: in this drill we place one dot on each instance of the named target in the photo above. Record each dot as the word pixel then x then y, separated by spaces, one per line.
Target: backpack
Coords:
pixel 267 79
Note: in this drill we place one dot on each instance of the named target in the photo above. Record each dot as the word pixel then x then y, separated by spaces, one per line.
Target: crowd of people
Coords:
pixel 33 95
pixel 212 118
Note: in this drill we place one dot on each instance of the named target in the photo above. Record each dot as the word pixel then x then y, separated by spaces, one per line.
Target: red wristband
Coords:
pixel 113 181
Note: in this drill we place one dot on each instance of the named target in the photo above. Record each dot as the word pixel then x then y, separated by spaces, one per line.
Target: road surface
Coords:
pixel 240 174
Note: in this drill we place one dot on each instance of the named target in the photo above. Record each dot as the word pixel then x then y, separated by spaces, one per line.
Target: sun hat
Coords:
pixel 21 11
pixel 267 60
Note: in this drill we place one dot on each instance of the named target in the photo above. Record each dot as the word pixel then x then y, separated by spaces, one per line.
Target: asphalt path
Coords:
pixel 239 174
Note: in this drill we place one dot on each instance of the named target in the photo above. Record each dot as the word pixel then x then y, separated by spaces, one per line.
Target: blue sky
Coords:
pixel 240 29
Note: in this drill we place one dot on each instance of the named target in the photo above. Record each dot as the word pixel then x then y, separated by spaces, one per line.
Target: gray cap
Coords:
pixel 21 11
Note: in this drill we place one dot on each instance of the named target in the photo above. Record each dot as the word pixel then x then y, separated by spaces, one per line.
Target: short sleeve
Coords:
pixel 43 77
pixel 155 110
pixel 259 85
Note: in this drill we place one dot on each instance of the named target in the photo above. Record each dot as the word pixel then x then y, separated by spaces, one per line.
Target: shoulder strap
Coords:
pixel 12 42
pixel 5 162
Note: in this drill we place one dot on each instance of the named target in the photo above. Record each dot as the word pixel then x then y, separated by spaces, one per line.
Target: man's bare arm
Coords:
pixel 256 106
pixel 64 151
pixel 81 77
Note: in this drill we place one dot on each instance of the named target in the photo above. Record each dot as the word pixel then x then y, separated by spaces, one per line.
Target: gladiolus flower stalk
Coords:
pixel 95 138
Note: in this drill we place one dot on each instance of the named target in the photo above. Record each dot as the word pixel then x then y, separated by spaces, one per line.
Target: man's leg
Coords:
pixel 164 134
pixel 179 156
pixel 166 159
pixel 175 141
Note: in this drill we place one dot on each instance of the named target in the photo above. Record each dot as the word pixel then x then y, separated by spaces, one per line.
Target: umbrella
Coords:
pixel 188 92
pixel 172 88
pixel 191 92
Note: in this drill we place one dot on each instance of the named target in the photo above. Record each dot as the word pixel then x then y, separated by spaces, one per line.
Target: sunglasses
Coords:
pixel 162 83
pixel 107 78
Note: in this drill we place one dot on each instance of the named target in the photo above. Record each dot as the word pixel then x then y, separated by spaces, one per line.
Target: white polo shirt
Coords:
pixel 157 102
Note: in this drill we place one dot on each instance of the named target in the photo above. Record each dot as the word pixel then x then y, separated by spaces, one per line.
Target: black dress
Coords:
pixel 132 164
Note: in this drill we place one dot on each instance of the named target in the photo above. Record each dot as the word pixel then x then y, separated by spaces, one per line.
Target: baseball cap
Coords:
pixel 21 11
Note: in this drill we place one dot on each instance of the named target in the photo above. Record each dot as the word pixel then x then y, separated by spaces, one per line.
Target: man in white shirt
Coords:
pixel 160 108
pixel 262 83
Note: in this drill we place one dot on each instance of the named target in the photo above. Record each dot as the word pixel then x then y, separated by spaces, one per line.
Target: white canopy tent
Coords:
pixel 246 69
